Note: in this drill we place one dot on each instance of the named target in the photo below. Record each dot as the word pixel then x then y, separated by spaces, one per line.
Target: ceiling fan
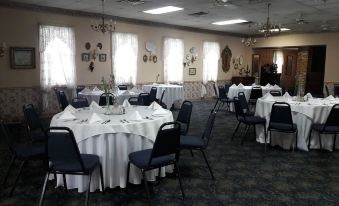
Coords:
pixel 301 19
pixel 134 2
pixel 325 26
pixel 225 3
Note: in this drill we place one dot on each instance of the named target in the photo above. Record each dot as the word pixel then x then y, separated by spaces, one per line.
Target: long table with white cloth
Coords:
pixel 113 141
pixel 315 110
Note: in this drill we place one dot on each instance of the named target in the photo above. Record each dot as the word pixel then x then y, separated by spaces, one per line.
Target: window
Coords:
pixel 278 59
pixel 125 56
pixel 173 60
pixel 57 56
pixel 210 61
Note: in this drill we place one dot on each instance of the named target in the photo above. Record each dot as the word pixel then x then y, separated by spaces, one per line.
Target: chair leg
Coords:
pixel 265 137
pixel 334 141
pixel 17 177
pixel 208 165
pixel 8 170
pixel 216 103
pixel 101 178
pixel 321 147
pixel 244 137
pixel 88 189
pixel 127 177
pixel 235 131
pixel 192 153
pixel 296 140
pixel 180 182
pixel 146 187
pixel 309 140
pixel 65 183
pixel 43 189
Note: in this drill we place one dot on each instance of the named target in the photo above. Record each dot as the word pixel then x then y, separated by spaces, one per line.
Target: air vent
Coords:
pixel 197 14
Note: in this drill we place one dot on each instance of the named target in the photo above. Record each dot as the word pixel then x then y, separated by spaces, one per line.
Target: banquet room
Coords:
pixel 169 102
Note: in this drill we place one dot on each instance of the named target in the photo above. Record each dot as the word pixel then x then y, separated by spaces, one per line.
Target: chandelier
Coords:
pixel 249 41
pixel 103 26
pixel 268 28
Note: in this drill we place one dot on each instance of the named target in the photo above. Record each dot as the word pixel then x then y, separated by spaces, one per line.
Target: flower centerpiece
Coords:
pixel 105 88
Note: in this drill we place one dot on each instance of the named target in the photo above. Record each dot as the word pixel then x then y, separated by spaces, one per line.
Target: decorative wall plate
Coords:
pixel 151 47
pixel 188 56
pixel 99 45
pixel 236 66
pixel 241 60
pixel 155 59
pixel 193 50
pixel 144 58
pixel 88 45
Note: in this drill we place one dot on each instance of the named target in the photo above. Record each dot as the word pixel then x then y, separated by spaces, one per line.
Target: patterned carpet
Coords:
pixel 244 175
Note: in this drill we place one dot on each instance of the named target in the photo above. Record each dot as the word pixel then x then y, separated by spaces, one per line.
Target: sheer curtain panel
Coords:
pixel 125 57
pixel 173 60
pixel 278 59
pixel 210 61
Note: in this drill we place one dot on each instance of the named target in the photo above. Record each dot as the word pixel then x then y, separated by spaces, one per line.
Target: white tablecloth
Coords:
pixel 303 114
pixel 233 92
pixel 113 142
pixel 172 93
pixel 95 95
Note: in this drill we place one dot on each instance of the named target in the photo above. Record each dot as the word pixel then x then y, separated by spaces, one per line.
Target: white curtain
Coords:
pixel 173 60
pixel 57 56
pixel 211 57
pixel 278 59
pixel 125 57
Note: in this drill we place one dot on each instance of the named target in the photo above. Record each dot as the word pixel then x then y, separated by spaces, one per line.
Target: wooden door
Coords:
pixel 289 68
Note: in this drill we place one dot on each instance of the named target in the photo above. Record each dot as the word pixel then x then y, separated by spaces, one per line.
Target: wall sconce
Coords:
pixel 2 49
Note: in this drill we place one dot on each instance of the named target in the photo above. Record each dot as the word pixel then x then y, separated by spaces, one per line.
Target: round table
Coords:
pixel 303 114
pixel 113 142
pixel 173 92
pixel 121 95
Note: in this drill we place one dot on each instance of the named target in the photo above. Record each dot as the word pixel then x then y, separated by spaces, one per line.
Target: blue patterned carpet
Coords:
pixel 245 175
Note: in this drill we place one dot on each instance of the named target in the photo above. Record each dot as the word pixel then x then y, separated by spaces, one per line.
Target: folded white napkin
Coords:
pixel 126 103
pixel 240 85
pixel 94 118
pixel 268 85
pixel 135 116
pixel 66 115
pixel 308 96
pixel 268 97
pixel 86 90
pixel 96 89
pixel 159 112
pixel 330 98
pixel 233 86
pixel 276 87
pixel 254 85
pixel 71 109
pixel 287 95
pixel 94 105
pixel 125 92
pixel 135 90
pixel 154 106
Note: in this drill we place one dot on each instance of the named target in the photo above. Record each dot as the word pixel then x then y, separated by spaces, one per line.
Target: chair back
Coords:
pixel 80 88
pixel 162 95
pixel 144 99
pixel 243 101
pixel 5 134
pixel 31 118
pixel 133 100
pixel 222 92
pixel 336 90
pixel 327 91
pixel 256 93
pixel 208 129
pixel 63 102
pixel 333 117
pixel 61 147
pixel 167 141
pixel 281 113
pixel 275 93
pixel 80 102
pixel 122 87
pixel 239 111
pixel 153 94
pixel 102 100
pixel 215 91
pixel 185 112
pixel 227 88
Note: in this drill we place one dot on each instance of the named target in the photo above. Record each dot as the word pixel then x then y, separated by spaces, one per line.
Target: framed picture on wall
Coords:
pixel 289 65
pixel 85 57
pixel 192 71
pixel 22 57
pixel 102 57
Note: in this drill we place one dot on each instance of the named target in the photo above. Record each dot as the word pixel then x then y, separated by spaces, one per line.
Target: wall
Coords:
pixel 22 30
pixel 328 39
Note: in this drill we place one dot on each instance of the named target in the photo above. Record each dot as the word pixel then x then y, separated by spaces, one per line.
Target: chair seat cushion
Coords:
pixel 191 142
pixel 252 120
pixel 282 126
pixel 328 129
pixel 30 151
pixel 141 158
pixel 90 163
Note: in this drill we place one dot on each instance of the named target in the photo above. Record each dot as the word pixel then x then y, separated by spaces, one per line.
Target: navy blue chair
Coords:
pixel 23 153
pixel 63 157
pixel 336 90
pixel 153 94
pixel 275 93
pixel 247 120
pixel 256 93
pixel 244 104
pixel 62 99
pixel 163 153
pixel 331 126
pixel 184 116
pixel 79 89
pixel 34 126
pixel 80 102
pixel 227 88
pixel 200 143
pixel 102 100
pixel 223 99
pixel 122 87
pixel 134 101
pixel 144 99
pixel 162 104
pixel 281 120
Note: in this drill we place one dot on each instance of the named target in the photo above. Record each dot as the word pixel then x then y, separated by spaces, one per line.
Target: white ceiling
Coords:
pixel 321 16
